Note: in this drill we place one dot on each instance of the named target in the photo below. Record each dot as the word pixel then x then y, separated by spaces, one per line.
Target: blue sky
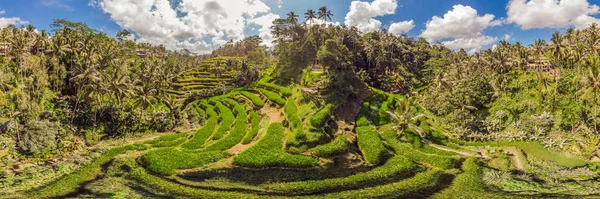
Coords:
pixel 103 14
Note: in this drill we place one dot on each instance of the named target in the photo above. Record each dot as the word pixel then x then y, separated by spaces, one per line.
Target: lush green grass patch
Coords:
pixel 203 133
pixel 281 89
pixel 255 121
pixel 165 138
pixel 406 150
pixel 321 117
pixel 227 119
pixel 252 97
pixel 71 182
pixel 269 152
pixel 422 182
pixel 370 144
pixel 236 135
pixel 273 97
pixel 166 160
pixel 395 168
pixel 338 146
pixel 172 143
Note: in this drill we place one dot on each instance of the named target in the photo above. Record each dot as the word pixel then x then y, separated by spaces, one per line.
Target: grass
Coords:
pixel 255 99
pixel 383 116
pixel 160 184
pixel 166 160
pixel 420 183
pixel 269 152
pixel 281 89
pixel 237 133
pixel 227 119
pixel 537 150
pixel 71 182
pixel 203 133
pixel 394 169
pixel 172 143
pixel 165 138
pixel 255 120
pixel 321 117
pixel 338 146
pixel 273 97
pixel 406 150
pixel 363 120
pixel 370 144
pixel 469 184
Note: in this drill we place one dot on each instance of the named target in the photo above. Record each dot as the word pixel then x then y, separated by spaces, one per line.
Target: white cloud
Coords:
pixel 464 25
pixel 530 14
pixel 4 22
pixel 506 37
pixel 265 22
pixel 401 27
pixel 2 11
pixel 362 14
pixel 189 25
pixel 57 3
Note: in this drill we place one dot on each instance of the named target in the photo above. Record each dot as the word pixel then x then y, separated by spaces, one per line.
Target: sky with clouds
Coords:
pixel 203 25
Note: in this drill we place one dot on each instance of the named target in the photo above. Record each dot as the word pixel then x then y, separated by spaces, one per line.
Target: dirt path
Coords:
pixel 464 153
pixel 274 114
pixel 515 157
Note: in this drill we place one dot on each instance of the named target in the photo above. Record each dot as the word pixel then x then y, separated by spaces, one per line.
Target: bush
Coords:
pixel 363 120
pixel 283 90
pixel 236 135
pixel 161 121
pixel 291 112
pixel 321 117
pixel 273 97
pixel 269 152
pixel 370 144
pixel 165 161
pixel 394 169
pixel 409 152
pixel 226 121
pixel 39 137
pixel 255 120
pixel 252 97
pixel 203 133
pixel 383 116
pixel 337 146
pixel 69 183
pixel 172 143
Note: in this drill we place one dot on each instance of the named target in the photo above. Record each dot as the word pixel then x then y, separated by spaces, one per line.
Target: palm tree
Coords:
pixel 405 116
pixel 591 83
pixel 310 15
pixel 325 14
pixel 292 18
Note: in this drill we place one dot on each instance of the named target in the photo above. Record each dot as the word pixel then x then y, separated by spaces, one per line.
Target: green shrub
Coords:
pixel 203 133
pixel 236 135
pixel 70 183
pixel 281 89
pixel 165 138
pixel 172 143
pixel 166 160
pixel 363 119
pixel 255 120
pixel 291 112
pixel 269 152
pixel 273 97
pixel 230 102
pixel 321 117
pixel 370 144
pixel 383 116
pixel 255 99
pixel 469 184
pixel 40 137
pixel 409 152
pixel 394 169
pixel 338 146
pixel 227 119
pixel 420 183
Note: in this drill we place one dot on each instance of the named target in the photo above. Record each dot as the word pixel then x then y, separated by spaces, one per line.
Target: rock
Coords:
pixel 595 159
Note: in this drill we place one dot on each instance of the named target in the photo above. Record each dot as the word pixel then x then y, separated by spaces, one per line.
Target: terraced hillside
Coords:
pixel 267 141
pixel 209 74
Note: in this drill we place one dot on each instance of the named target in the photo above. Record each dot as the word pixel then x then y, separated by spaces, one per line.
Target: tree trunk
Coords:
pixel 595 113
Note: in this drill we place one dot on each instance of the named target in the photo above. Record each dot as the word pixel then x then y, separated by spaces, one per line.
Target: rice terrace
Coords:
pixel 284 99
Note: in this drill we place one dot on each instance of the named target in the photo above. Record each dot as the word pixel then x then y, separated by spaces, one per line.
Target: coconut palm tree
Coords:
pixel 591 83
pixel 325 14
pixel 405 116
pixel 292 18
pixel 310 15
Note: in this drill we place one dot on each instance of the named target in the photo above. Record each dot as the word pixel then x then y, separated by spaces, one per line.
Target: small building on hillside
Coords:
pixel 541 64
pixel 141 52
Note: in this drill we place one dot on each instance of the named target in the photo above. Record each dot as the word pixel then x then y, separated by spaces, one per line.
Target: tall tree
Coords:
pixel 310 15
pixel 325 14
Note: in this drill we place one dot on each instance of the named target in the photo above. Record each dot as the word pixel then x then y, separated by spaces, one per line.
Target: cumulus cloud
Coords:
pixel 529 14
pixel 191 24
pixel 464 25
pixel 362 14
pixel 2 11
pixel 4 21
pixel 58 4
pixel 265 22
pixel 401 27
